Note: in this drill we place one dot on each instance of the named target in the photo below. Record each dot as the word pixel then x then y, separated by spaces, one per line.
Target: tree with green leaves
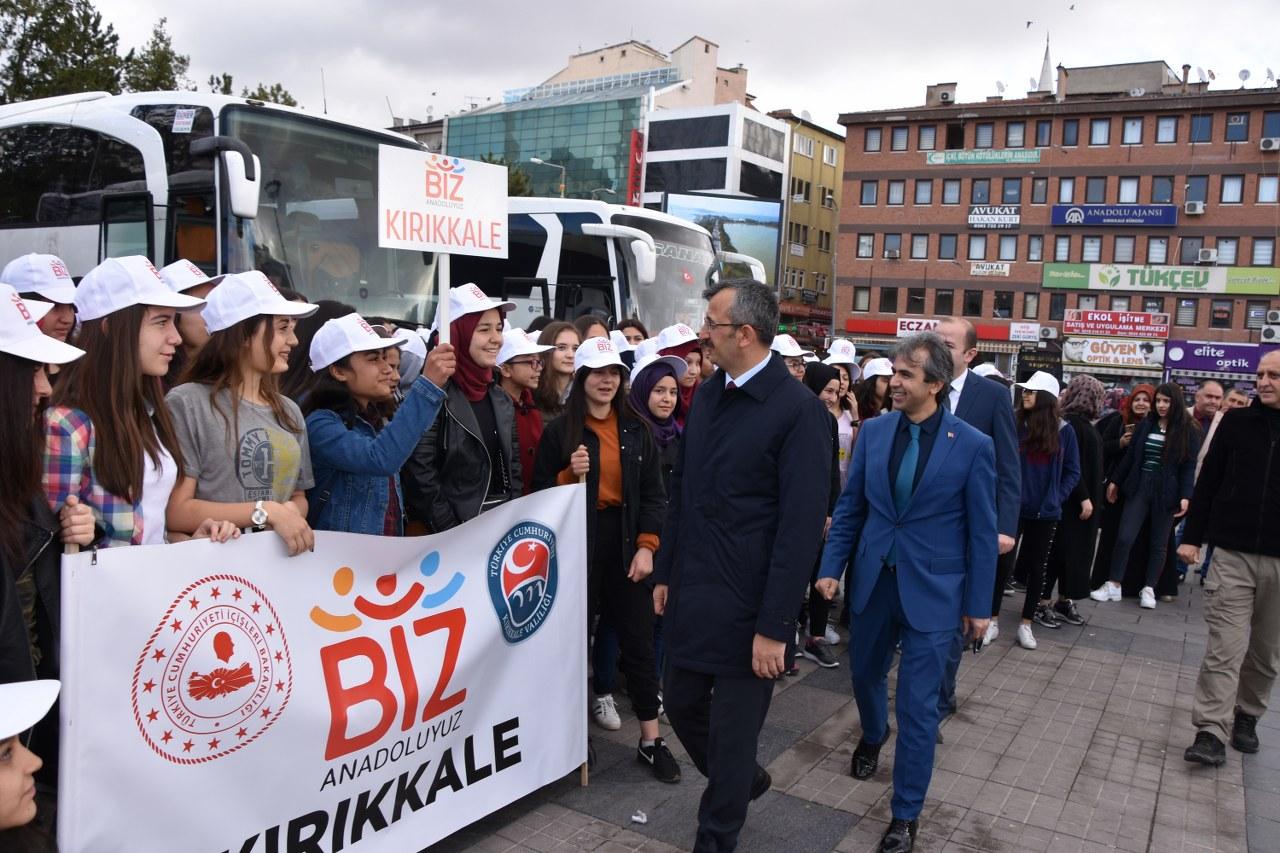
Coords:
pixel 220 84
pixel 517 178
pixel 55 47
pixel 277 94
pixel 158 67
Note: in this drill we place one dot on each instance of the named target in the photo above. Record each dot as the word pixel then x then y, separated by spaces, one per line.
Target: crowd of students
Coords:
pixel 167 405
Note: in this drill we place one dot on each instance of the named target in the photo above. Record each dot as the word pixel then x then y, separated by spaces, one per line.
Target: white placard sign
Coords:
pixel 435 203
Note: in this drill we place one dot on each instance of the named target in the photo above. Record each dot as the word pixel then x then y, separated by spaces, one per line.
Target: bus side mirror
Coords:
pixel 242 184
pixel 646 261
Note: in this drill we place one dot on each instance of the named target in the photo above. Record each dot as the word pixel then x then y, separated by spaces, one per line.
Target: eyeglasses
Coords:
pixel 708 323
pixel 794 363
pixel 527 362
pixel 566 347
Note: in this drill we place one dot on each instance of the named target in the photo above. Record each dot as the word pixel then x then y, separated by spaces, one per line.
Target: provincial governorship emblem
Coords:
pixel 522 573
pixel 215 673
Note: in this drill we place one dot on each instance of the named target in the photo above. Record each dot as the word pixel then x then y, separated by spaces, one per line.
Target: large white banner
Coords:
pixel 375 695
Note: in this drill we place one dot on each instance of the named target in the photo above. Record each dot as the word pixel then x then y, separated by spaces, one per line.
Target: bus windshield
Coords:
pixel 686 263
pixel 316 229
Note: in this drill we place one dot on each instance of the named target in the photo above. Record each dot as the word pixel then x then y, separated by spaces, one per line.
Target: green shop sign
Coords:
pixel 1244 281
pixel 982 157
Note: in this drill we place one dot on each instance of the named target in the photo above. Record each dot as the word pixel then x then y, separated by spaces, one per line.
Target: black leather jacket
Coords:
pixel 446 480
pixel 41 558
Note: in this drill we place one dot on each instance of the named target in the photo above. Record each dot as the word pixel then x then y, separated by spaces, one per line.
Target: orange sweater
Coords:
pixel 609 491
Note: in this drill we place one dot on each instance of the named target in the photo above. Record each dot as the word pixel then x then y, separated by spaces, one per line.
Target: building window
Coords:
pixel 862 299
pixel 919 246
pixel 1100 131
pixel 984 135
pixel 1189 250
pixel 1268 189
pixel 1015 134
pixel 829 155
pixel 1043 130
pixel 1220 314
pixel 803 145
pixel 951 191
pixel 1039 190
pixel 893 245
pixel 1232 189
pixel 1184 311
pixel 1162 189
pixel 1131 134
pixel 1062 248
pixel 1030 306
pixel 897 193
pixel 868 196
pixel 1271 124
pixel 1057 306
pixel 866 245
pixel 1120 303
pixel 1157 250
pixel 1092 251
pixel 977 247
pixel 1227 248
pixel 1166 130
pixel 915 300
pixel 944 302
pixel 973 303
pixel 824 241
pixel 1153 304
pixel 947 247
pixel 1095 190
pixel 980 191
pixel 1070 132
pixel 1198 188
pixel 800 190
pixel 927 137
pixel 1087 302
pixel 1066 190
pixel 1237 130
pixel 828 197
pixel 1008 247
pixel 898 139
pixel 1201 128
pixel 1124 250
pixel 1255 313
pixel 820 282
pixel 871 139
pixel 888 300
pixel 1128 191
pixel 1264 251
pixel 924 191
pixel 1011 191
pixel 1035 247
pixel 1002 305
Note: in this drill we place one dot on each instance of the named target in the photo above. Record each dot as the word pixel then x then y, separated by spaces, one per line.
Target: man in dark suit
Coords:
pixel 743 530
pixel 917 518
pixel 986 406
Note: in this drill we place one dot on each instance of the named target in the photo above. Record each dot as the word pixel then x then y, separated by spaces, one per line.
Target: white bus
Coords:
pixel 234 184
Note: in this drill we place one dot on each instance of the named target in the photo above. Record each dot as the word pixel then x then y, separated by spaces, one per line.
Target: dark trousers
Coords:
pixel 1147 505
pixel 718 719
pixel 1033 556
pixel 628 607
pixel 818 607
pixel 947 694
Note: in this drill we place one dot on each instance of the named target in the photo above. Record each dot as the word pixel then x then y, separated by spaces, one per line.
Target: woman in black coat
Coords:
pixel 1117 431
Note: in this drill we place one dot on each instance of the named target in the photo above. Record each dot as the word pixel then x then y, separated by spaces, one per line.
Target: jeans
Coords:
pixel 1147 505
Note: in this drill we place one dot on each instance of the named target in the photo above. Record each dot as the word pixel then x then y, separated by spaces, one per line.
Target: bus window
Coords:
pixel 53 175
pixel 526 241
pixel 192 223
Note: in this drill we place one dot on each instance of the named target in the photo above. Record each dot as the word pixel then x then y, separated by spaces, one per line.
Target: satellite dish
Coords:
pixel 1200 74
pixel 1271 76
pixel 806 115
pixel 1137 92
pixel 1000 87
pixel 1034 84
pixel 1243 75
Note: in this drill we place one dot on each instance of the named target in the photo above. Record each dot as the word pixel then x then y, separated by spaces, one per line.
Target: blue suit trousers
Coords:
pixel 873 633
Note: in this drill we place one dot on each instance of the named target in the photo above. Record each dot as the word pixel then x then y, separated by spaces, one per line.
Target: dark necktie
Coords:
pixel 730 385
pixel 904 483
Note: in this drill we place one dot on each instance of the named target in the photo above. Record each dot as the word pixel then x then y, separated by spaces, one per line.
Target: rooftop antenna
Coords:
pixel 324 97
pixel 1000 87
pixel 1271 76
pixel 1244 76
pixel 389 110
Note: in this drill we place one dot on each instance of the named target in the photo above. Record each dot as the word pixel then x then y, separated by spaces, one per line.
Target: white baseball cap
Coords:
pixel 674 336
pixel 1041 381
pixel 518 342
pixel 20 336
pixel 679 365
pixel 469 299
pixel 595 353
pixel 988 370
pixel 786 346
pixel 24 703
pixel 249 294
pixel 182 275
pixel 118 283
pixel 620 341
pixel 842 351
pixel 341 336
pixel 46 275
pixel 647 347
pixel 877 367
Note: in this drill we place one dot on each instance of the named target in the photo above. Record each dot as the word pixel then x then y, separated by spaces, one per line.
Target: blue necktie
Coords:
pixel 904 484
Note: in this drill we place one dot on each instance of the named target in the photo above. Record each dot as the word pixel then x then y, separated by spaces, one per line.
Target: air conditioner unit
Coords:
pixel 1271 334
pixel 1193 208
pixel 1273 317
pixel 1048 333
pixel 1269 143
pixel 893 254
pixel 1208 256
pixel 945 97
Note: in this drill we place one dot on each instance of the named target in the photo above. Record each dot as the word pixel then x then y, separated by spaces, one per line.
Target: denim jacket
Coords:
pixel 355 464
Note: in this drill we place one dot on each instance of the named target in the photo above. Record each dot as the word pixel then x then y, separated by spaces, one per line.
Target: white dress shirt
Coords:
pixel 747 374
pixel 957 388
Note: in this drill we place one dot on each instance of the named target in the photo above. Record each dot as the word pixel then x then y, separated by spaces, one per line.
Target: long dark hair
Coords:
pixel 1039 425
pixel 545 396
pixel 328 393
pixel 21 445
pixel 299 378
pixel 108 385
pixel 865 393
pixel 1177 434
pixel 575 410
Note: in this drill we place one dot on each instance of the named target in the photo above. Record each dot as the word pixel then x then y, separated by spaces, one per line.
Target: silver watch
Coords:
pixel 258 516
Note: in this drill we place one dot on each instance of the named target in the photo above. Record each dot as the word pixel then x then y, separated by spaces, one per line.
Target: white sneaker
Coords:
pixel 1147 598
pixel 1026 639
pixel 993 631
pixel 1107 592
pixel 605 713
pixel 832 636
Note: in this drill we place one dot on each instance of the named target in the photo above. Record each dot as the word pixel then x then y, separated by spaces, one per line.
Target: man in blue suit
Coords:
pixel 917 518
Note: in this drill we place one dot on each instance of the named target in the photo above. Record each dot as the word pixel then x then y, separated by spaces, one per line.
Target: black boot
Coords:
pixel 1206 750
pixel 1244 732
pixel 866 758
pixel 900 837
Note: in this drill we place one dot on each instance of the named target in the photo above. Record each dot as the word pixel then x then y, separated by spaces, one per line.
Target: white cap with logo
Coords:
pixel 20 336
pixel 646 348
pixel 786 346
pixel 119 283
pixel 469 299
pixel 620 341
pixel 596 353
pixel 877 367
pixel 182 275
pixel 988 370
pixel 249 294
pixel 679 365
pixel 46 275
pixel 518 342
pixel 674 336
pixel 341 336
pixel 24 703
pixel 1041 381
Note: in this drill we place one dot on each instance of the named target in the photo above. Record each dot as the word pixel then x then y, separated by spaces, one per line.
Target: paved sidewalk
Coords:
pixel 1076 746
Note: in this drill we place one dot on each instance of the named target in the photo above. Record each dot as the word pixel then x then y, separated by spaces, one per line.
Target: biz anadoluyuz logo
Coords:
pixel 522 572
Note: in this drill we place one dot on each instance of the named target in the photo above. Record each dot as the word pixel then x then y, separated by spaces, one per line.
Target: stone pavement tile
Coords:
pixel 989 832
pixel 796 763
pixel 1263 833
pixel 802 708
pixel 778 822
pixel 774 741
pixel 842 727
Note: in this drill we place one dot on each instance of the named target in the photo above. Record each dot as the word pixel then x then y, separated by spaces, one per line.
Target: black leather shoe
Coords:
pixel 1206 750
pixel 761 783
pixel 866 758
pixel 1244 732
pixel 900 837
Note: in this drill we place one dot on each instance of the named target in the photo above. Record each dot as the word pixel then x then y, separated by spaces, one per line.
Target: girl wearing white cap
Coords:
pixel 557 372
pixel 355 451
pixel 872 393
pixel 469 461
pixel 45 278
pixel 520 366
pixel 245 444
pixel 109 438
pixel 599 438
pixel 183 276
pixel 22 705
pixel 843 356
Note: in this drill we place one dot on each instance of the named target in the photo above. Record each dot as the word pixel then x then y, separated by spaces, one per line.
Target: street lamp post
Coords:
pixel 542 162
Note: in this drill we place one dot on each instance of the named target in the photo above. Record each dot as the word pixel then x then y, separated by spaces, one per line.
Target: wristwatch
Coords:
pixel 258 516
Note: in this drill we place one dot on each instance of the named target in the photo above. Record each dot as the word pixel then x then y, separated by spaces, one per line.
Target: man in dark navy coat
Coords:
pixel 743 529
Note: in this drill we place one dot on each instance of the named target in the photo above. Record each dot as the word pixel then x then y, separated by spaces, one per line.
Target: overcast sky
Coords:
pixel 825 57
